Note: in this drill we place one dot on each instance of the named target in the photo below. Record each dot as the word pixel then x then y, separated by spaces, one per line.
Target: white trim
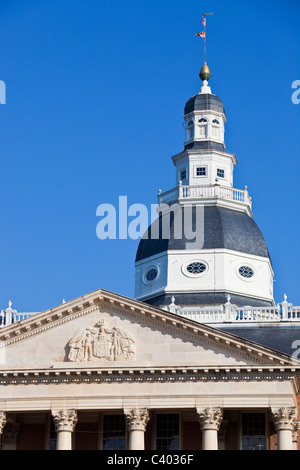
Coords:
pixel 221 177
pixel 204 252
pixel 200 166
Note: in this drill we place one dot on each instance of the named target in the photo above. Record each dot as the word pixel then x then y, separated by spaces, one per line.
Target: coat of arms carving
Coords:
pixel 100 342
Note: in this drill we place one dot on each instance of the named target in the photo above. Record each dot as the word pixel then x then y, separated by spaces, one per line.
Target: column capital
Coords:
pixel 2 420
pixel 65 420
pixel 284 418
pixel 137 418
pixel 210 418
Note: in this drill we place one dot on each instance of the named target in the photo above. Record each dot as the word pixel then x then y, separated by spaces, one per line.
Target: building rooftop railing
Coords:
pixel 9 316
pixel 229 313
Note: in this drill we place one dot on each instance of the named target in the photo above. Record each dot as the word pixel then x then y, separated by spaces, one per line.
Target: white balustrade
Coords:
pixel 9 317
pixel 230 313
pixel 227 313
pixel 205 192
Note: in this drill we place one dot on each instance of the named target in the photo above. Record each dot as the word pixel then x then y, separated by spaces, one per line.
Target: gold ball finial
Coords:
pixel 205 73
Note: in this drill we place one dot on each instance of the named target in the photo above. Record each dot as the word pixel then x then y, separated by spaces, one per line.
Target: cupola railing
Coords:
pixel 213 191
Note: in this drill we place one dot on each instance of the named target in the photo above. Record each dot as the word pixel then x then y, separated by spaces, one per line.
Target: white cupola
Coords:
pixel 233 259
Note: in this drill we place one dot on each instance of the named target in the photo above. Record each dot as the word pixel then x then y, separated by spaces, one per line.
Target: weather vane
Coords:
pixel 205 73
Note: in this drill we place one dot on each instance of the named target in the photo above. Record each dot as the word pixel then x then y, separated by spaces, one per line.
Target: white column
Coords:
pixel 65 422
pixel 210 420
pixel 285 423
pixel 137 420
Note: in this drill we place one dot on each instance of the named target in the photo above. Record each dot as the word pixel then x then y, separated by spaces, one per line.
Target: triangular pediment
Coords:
pixel 103 330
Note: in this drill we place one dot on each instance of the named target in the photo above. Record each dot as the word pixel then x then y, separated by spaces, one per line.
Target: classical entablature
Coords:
pixel 143 357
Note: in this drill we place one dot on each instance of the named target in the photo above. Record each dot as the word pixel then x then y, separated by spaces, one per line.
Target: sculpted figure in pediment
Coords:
pixel 100 342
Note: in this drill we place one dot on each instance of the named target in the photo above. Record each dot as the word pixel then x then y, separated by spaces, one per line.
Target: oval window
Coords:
pixel 196 268
pixel 151 274
pixel 246 272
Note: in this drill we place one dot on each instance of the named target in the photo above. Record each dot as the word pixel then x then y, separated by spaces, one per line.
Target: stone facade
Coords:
pixel 102 364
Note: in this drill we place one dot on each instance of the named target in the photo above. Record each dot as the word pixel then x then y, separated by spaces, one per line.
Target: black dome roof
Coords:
pixel 203 102
pixel 223 228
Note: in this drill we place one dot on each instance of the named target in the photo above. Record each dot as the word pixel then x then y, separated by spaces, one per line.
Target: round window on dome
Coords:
pixel 246 272
pixel 195 268
pixel 151 275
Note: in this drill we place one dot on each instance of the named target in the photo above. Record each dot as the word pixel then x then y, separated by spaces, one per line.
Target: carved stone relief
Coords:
pixel 101 342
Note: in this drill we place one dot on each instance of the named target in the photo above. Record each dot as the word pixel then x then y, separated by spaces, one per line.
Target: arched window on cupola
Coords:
pixel 202 127
pixel 216 129
pixel 190 130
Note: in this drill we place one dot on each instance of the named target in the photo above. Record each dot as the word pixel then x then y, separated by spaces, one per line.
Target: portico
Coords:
pixel 147 429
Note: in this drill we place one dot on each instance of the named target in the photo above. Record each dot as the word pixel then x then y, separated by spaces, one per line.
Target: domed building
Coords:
pixel 201 359
pixel 228 256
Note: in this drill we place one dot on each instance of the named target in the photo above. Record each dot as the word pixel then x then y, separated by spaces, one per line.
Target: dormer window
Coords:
pixel 190 130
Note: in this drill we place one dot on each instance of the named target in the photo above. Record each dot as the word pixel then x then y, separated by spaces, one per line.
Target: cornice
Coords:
pixel 153 375
pixel 195 152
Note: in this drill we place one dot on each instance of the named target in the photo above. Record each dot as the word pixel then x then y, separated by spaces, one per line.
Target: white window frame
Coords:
pixel 221 177
pixel 203 125
pixel 201 176
pixel 190 130
pixel 194 276
pixel 247 265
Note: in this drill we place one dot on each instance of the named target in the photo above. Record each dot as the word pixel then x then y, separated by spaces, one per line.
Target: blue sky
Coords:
pixel 95 99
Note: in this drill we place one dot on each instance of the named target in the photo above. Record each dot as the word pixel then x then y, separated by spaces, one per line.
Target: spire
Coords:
pixel 204 72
